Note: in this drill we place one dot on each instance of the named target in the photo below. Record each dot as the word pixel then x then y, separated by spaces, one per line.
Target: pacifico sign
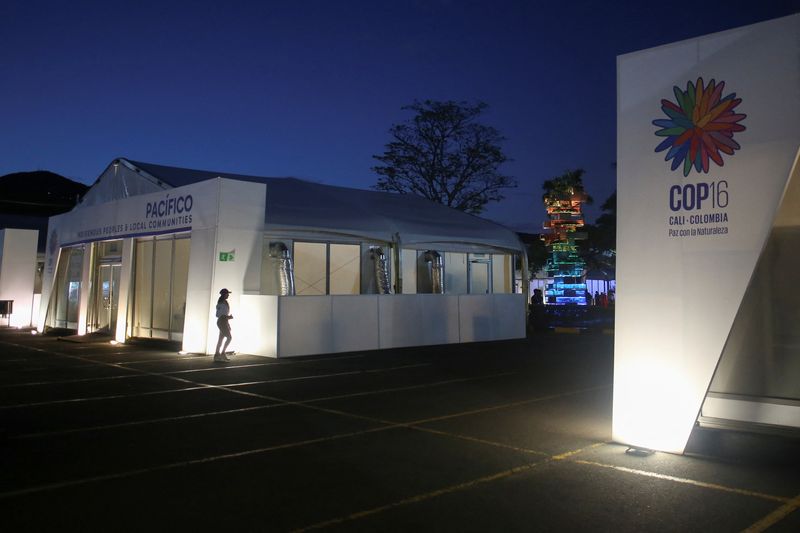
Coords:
pixel 151 214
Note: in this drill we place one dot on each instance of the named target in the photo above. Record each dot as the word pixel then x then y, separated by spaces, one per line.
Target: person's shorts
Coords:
pixel 224 326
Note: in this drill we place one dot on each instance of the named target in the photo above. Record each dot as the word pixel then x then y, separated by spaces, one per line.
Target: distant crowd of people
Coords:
pixel 600 299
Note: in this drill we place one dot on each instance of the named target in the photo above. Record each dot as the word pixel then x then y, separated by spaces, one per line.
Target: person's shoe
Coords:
pixel 221 359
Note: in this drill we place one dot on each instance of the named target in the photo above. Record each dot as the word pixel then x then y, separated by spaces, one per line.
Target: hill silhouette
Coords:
pixel 38 193
pixel 28 199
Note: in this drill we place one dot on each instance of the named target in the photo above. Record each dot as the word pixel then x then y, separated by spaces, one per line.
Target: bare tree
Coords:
pixel 444 154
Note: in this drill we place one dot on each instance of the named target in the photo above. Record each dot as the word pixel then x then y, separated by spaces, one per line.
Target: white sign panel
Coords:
pixel 708 130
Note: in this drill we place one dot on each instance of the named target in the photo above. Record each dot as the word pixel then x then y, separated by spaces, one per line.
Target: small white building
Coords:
pixel 312 268
pixel 18 299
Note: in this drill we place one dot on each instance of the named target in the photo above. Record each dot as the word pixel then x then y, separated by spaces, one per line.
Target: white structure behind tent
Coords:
pixel 17 275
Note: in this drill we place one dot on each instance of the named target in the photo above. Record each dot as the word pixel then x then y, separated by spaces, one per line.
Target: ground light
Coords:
pixel 182 352
pixel 653 401
pixel 114 342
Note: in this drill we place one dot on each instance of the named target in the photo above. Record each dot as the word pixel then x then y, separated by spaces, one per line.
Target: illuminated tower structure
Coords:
pixel 564 265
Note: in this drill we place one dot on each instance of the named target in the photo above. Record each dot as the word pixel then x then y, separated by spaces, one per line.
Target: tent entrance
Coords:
pixel 161 274
pixel 106 297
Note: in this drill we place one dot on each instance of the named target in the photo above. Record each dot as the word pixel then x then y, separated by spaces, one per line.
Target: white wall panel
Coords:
pixel 256 320
pixel 439 320
pixel 476 317
pixel 508 316
pixel 304 325
pixel 400 315
pixel 354 323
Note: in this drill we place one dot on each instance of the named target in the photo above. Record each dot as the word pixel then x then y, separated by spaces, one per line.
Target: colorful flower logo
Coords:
pixel 701 124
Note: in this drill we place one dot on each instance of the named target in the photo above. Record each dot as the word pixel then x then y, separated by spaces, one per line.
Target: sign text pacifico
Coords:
pixel 169 206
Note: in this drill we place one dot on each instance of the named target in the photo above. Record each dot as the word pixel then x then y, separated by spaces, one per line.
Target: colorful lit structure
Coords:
pixel 564 265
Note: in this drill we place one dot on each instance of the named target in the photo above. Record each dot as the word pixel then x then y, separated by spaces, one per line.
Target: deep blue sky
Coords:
pixel 310 88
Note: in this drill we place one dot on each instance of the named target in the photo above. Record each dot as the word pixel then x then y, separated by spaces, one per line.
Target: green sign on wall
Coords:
pixel 227 256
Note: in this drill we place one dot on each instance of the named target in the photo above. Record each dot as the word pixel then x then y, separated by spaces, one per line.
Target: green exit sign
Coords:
pixel 227 256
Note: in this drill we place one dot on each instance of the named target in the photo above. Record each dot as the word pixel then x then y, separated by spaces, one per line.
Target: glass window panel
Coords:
pixel 309 268
pixel 501 273
pixel 143 286
pixel 479 273
pixel 455 273
pixel 345 268
pixel 409 260
pixel 57 314
pixel 762 355
pixel 180 277
pixel 74 276
pixel 161 284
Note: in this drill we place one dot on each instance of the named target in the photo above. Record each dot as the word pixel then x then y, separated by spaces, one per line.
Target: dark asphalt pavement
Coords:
pixel 504 436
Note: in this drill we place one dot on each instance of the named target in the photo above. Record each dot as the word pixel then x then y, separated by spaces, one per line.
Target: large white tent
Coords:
pixel 448 275
pixel 299 205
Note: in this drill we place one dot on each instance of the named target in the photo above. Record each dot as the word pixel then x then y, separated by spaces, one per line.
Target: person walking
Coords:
pixel 223 316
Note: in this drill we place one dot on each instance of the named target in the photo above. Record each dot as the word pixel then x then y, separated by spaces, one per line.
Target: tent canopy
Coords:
pixel 296 205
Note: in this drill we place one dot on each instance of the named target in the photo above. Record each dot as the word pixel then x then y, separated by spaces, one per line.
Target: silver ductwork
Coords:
pixel 437 271
pixel 381 269
pixel 279 253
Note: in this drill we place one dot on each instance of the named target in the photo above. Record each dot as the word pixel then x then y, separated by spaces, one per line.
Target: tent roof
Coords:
pixel 297 205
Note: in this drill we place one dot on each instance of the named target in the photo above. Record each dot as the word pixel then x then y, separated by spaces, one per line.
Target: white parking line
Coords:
pixel 245 409
pixel 93 363
pixel 206 386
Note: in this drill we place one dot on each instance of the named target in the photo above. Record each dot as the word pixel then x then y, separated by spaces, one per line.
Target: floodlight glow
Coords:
pixel 34 332
pixel 183 352
pixel 652 404
pixel 113 342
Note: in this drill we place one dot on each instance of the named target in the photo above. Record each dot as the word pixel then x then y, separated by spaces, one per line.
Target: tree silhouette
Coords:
pixel 444 154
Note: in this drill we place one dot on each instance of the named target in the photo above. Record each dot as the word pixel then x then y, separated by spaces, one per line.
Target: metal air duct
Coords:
pixel 283 266
pixel 381 269
pixel 437 271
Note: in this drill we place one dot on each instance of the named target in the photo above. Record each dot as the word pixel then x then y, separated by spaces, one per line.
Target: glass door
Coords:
pixel 106 297
pixel 479 277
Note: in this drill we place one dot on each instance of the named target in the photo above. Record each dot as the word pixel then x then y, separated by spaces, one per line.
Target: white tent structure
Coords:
pixel 312 268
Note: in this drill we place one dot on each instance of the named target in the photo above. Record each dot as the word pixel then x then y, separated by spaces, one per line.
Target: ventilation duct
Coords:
pixel 283 265
pixel 381 269
pixel 437 271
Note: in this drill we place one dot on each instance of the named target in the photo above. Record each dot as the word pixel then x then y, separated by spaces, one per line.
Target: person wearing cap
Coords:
pixel 223 316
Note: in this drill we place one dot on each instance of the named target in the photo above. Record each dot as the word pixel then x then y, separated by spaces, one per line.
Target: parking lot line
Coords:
pixel 434 494
pixel 775 516
pixel 85 429
pixel 253 408
pixel 181 464
pixel 686 481
pixel 141 375
pixel 205 386
pixel 505 405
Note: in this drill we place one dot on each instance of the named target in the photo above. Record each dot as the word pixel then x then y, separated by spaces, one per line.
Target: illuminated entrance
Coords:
pixel 62 311
pixel 161 272
pixel 105 290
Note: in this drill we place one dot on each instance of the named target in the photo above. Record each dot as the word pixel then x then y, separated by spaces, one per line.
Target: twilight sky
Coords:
pixel 310 88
